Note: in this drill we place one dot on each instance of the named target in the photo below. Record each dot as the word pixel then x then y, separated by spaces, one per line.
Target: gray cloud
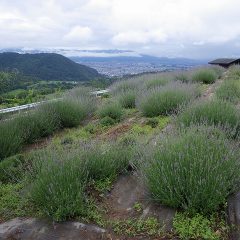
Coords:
pixel 198 29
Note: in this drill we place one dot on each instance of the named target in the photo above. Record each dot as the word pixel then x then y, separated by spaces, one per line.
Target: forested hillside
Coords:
pixel 46 66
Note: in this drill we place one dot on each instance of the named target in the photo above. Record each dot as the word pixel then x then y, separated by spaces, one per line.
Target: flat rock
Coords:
pixel 233 213
pixel 128 191
pixel 36 229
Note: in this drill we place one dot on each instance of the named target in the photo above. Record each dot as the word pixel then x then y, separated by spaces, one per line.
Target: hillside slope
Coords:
pixel 47 66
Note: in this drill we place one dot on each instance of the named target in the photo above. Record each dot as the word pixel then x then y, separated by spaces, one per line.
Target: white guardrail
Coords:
pixel 33 105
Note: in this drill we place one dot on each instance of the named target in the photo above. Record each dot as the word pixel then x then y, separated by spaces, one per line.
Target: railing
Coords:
pixel 33 105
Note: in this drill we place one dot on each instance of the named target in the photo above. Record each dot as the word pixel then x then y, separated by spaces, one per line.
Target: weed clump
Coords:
pixel 196 227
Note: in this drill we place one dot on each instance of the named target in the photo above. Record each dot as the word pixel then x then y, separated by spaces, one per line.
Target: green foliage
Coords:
pixel 166 100
pixel 214 112
pixel 153 122
pixel 138 207
pixel 138 129
pixel 195 170
pixel 12 169
pixel 207 76
pixel 229 90
pixel 137 227
pixel 47 66
pixel 12 204
pixel 163 121
pixel 112 110
pixel 107 121
pixel 103 185
pixel 197 227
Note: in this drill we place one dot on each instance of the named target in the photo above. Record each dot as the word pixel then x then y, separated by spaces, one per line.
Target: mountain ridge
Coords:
pixel 47 66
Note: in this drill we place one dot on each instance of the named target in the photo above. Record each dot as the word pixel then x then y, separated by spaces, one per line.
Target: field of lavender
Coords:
pixel 176 133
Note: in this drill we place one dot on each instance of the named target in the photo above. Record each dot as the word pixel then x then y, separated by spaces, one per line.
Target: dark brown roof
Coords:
pixel 224 61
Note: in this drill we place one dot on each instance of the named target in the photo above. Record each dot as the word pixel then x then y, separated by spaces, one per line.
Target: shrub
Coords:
pixel 206 76
pixel 229 90
pixel 215 112
pixel 166 100
pixel 112 110
pixel 153 122
pixel 69 112
pixel 124 86
pixel 36 124
pixel 195 170
pixel 127 99
pixel 107 121
pixel 58 187
pixel 106 161
pixel 11 140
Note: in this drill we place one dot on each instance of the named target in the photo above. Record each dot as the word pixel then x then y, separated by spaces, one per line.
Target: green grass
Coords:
pixel 12 169
pixel 214 112
pixel 229 90
pixel 198 227
pixel 194 170
pixel 137 227
pixel 12 202
pixel 166 100
pixel 207 76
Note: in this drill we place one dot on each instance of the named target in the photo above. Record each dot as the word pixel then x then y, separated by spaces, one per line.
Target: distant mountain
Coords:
pixel 47 66
pixel 140 58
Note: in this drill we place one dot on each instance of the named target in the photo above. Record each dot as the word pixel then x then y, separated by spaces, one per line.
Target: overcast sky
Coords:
pixel 188 28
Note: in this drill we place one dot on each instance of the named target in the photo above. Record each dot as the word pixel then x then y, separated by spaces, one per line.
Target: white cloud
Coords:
pixel 79 34
pixel 156 26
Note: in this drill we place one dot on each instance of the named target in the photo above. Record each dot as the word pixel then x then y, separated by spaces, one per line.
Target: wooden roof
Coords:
pixel 224 61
